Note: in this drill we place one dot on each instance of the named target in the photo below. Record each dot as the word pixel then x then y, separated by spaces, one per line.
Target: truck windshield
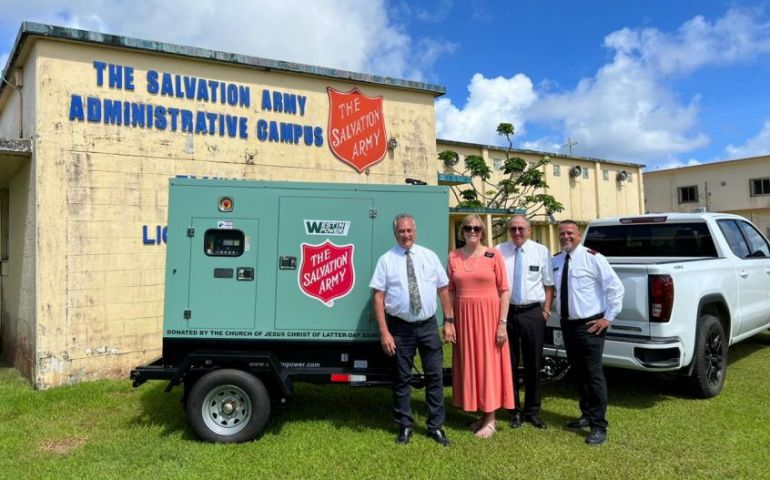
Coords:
pixel 652 240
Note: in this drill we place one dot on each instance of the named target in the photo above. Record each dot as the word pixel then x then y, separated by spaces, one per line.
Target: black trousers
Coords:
pixel 411 338
pixel 526 332
pixel 584 352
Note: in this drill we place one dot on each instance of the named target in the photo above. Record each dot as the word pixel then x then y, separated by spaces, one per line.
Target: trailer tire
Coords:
pixel 709 359
pixel 228 406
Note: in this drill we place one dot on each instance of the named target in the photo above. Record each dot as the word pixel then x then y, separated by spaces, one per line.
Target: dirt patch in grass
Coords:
pixel 61 446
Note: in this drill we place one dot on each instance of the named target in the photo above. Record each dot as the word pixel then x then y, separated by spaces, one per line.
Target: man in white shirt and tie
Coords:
pixel 589 295
pixel 404 284
pixel 530 277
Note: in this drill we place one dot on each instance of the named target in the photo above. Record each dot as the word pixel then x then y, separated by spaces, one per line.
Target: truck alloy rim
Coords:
pixel 714 358
pixel 226 409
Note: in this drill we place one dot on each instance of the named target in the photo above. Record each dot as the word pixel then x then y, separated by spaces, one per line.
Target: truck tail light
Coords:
pixel 661 288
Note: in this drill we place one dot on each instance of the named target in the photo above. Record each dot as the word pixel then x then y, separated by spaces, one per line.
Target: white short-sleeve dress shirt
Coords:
pixel 537 266
pixel 390 277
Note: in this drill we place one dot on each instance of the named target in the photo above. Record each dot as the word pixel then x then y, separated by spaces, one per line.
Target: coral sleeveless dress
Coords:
pixel 482 377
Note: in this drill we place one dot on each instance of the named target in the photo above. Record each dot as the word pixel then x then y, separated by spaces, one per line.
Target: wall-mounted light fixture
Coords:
pixel 415 181
pixel 392 144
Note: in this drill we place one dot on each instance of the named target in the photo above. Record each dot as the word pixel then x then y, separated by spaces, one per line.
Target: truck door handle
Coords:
pixel 743 273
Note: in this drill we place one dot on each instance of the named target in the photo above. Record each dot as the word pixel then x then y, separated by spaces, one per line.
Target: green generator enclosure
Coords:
pixel 283 261
pixel 267 284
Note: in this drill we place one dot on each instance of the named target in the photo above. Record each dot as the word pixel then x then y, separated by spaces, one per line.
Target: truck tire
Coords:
pixel 228 406
pixel 709 359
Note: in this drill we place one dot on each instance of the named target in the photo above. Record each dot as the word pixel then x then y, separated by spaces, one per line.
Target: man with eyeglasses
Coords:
pixel 530 277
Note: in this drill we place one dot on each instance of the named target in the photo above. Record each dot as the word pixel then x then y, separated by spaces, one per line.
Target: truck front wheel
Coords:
pixel 709 358
pixel 228 406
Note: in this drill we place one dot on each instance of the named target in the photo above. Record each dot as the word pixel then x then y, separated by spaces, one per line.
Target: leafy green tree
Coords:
pixel 520 189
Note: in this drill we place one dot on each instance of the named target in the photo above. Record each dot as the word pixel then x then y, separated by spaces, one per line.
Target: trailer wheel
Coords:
pixel 228 406
pixel 710 358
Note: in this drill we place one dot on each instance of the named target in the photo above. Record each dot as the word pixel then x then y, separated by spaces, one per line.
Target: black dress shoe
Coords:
pixel 515 421
pixel 535 421
pixel 578 424
pixel 596 437
pixel 404 435
pixel 439 436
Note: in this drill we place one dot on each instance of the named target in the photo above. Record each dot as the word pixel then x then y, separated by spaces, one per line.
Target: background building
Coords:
pixel 739 186
pixel 598 188
pixel 91 128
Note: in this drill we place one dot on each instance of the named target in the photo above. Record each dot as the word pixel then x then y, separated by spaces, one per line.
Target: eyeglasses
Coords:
pixel 517 229
pixel 471 228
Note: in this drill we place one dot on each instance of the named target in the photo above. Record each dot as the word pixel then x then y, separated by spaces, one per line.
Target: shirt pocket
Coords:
pixel 429 275
pixel 581 281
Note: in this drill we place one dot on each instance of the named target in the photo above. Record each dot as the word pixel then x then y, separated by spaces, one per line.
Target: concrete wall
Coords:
pixel 99 287
pixel 584 199
pixel 18 319
pixel 17 285
pixel 722 187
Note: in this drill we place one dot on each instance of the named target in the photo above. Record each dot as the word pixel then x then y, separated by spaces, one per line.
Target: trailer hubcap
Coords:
pixel 226 409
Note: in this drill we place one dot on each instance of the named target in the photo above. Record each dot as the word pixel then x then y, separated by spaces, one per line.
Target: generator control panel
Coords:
pixel 224 243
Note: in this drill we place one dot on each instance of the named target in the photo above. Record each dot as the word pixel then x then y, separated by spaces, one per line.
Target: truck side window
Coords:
pixel 757 244
pixel 734 238
pixel 223 243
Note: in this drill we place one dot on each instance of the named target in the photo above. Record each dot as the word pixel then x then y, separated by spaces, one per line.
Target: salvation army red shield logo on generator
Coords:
pixel 326 271
pixel 356 128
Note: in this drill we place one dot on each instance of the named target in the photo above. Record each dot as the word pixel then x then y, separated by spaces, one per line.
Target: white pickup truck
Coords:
pixel 694 284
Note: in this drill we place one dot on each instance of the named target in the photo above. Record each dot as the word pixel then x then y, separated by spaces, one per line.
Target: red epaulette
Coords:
pixel 592 252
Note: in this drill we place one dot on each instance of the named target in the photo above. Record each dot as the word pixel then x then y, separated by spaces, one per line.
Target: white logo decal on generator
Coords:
pixel 225 225
pixel 327 227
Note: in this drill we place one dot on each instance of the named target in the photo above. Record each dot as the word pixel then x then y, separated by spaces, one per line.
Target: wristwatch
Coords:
pixel 449 319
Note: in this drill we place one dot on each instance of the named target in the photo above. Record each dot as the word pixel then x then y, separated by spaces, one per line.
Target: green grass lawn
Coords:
pixel 106 429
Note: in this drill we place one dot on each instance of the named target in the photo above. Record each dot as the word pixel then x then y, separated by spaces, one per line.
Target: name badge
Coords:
pixel 534 268
pixel 489 254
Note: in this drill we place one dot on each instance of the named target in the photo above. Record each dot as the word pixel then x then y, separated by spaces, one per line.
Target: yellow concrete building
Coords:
pixel 93 125
pixel 738 186
pixel 588 188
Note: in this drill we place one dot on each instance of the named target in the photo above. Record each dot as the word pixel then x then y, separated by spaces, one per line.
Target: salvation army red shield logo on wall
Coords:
pixel 326 272
pixel 356 128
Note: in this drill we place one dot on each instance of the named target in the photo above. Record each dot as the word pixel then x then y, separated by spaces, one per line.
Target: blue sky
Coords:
pixel 663 83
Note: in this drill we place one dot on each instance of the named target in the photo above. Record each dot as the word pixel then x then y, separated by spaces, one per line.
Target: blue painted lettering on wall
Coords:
pixel 283 102
pixel 160 235
pixel 140 114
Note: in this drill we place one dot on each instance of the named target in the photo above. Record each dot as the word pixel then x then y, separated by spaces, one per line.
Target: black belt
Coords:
pixel 418 323
pixel 584 320
pixel 524 308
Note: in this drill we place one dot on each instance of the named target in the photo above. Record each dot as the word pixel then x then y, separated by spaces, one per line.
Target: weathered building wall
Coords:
pixel 721 187
pixel 102 191
pixel 17 285
pixel 585 197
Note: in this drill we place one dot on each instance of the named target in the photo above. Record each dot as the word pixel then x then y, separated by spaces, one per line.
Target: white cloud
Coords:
pixel 629 109
pixel 674 164
pixel 753 147
pixel 490 102
pixel 737 36
pixel 342 34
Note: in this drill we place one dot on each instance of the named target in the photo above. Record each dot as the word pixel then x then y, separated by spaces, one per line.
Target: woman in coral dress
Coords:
pixel 482 377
